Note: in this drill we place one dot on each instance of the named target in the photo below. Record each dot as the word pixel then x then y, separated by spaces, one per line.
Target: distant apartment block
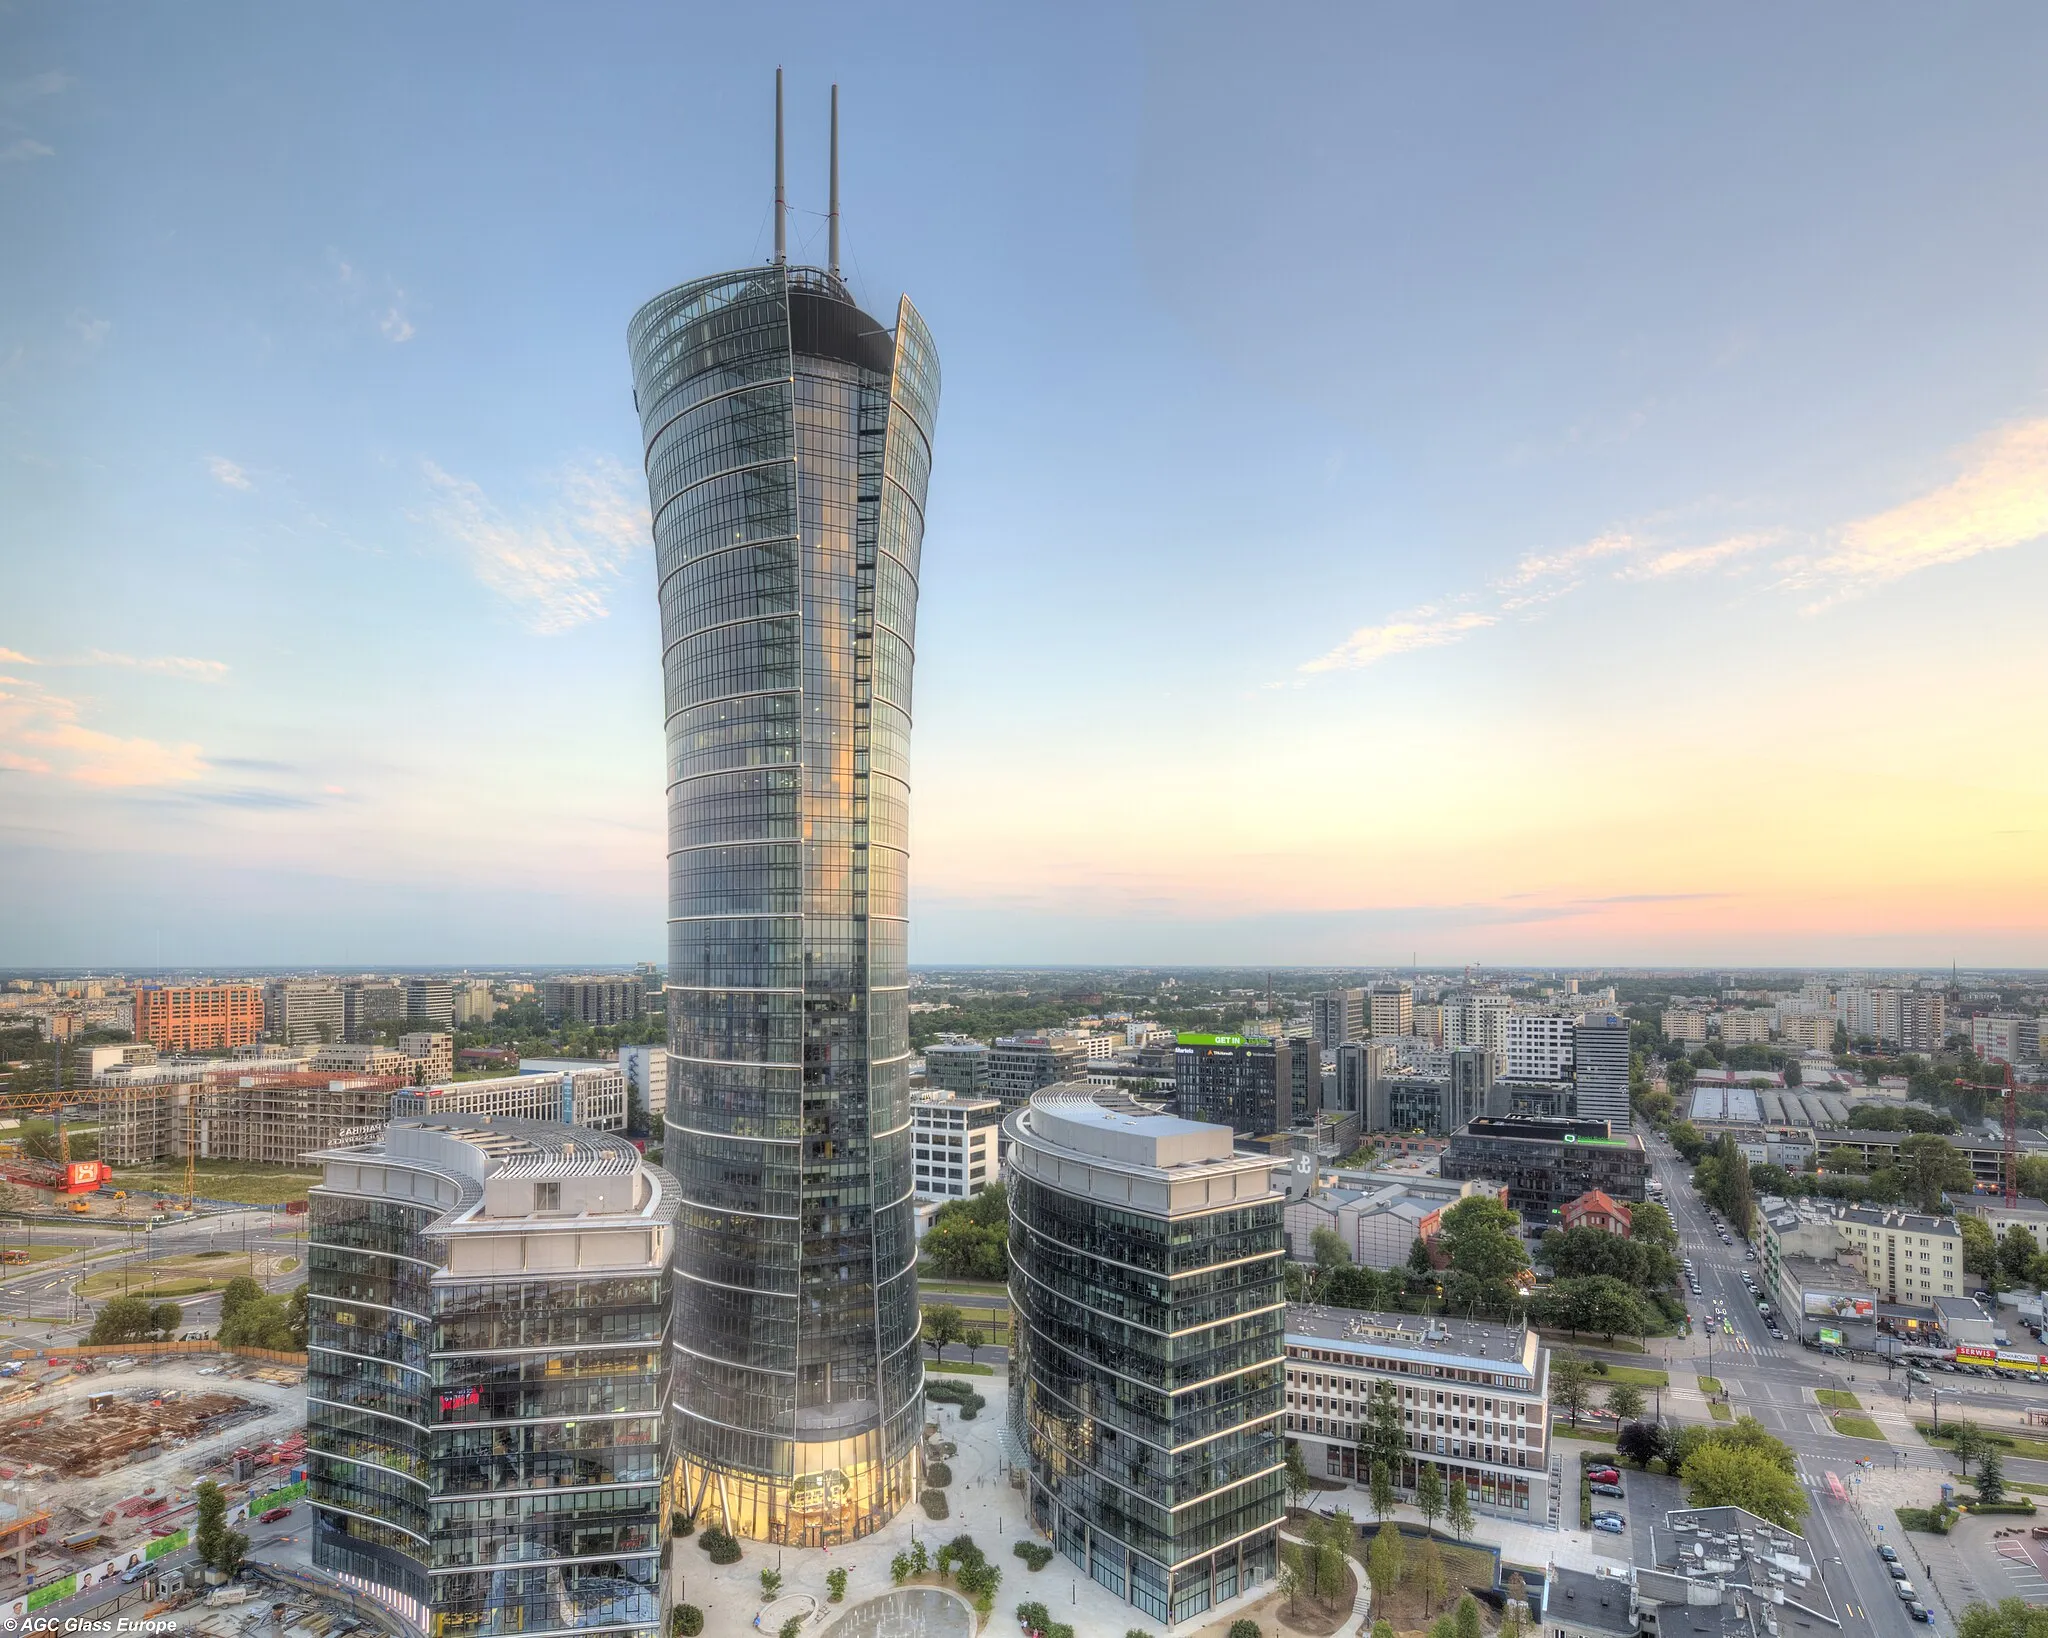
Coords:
pixel 1687 1024
pixel 955 1143
pixel 1337 1016
pixel 1744 1027
pixel 1539 1047
pixel 2006 1039
pixel 368 1006
pixel 361 1058
pixel 598 1002
pixel 1912 1020
pixel 1477 1019
pixel 198 1017
pixel 1601 1056
pixel 1392 1009
pixel 430 1001
pixel 1808 1031
pixel 475 1003
pixel 240 1111
pixel 578 1094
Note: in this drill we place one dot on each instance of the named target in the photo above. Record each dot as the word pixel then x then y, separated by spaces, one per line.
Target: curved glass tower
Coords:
pixel 788 442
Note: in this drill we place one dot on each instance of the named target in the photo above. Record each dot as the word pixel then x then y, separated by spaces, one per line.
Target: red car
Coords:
pixel 1605 1475
pixel 274 1515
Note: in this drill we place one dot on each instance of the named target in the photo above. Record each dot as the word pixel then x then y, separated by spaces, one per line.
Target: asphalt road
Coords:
pixel 1771 1381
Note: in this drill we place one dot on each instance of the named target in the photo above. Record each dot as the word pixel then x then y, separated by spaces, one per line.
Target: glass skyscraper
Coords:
pixel 788 443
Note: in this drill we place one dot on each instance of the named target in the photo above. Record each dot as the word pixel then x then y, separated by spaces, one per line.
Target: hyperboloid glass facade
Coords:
pixel 788 443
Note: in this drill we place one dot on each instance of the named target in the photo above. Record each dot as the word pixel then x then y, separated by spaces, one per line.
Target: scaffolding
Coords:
pixel 272 1117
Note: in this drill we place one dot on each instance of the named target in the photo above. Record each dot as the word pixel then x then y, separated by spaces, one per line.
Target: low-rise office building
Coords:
pixel 1546 1163
pixel 488 1308
pixel 1379 1219
pixel 578 1094
pixel 954 1143
pixel 1146 1375
pixel 1474 1398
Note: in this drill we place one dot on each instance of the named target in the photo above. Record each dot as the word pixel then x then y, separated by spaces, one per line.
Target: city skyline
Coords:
pixel 1636 540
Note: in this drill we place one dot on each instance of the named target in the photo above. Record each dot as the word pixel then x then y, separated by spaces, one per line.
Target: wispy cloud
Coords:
pixel 26 148
pixel 556 563
pixel 92 331
pixel 172 665
pixel 228 472
pixel 395 325
pixel 1999 501
pixel 46 84
pixel 40 733
pixel 1719 554
pixel 1403 634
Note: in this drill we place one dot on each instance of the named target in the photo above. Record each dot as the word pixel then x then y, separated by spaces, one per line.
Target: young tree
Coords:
pixel 211 1521
pixel 1328 1249
pixel 165 1318
pixel 123 1319
pixel 1458 1509
pixel 1429 1494
pixel 1332 1541
pixel 943 1324
pixel 1386 1561
pixel 1570 1382
pixel 1289 1577
pixel 1383 1440
pixel 1969 1443
pixel 1296 1477
pixel 1467 1617
pixel 1991 1477
pixel 1383 1498
pixel 1625 1399
pixel 1641 1443
pixel 241 1290
pixel 1429 1571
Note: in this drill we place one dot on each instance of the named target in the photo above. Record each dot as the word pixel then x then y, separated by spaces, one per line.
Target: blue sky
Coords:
pixel 1503 487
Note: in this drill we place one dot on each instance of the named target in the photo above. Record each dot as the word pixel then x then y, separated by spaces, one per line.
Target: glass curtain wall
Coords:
pixel 788 446
pixel 1146 1385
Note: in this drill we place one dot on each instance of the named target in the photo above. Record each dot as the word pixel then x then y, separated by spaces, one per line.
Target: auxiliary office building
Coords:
pixel 1146 1289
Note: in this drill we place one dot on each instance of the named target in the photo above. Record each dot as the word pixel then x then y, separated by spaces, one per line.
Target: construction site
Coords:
pixel 111 1429
pixel 237 1113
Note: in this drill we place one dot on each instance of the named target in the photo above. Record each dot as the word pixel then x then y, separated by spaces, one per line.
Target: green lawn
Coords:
pixel 39 1254
pixel 1591 1435
pixel 957 1367
pixel 1858 1427
pixel 252 1183
pixel 1721 1413
pixel 2032 1449
pixel 1637 1376
pixel 1836 1399
pixel 195 1273
pixel 963 1288
pixel 1711 1384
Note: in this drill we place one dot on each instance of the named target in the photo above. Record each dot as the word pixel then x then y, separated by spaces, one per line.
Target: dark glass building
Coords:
pixel 1546 1163
pixel 487 1302
pixel 1245 1082
pixel 1146 1381
pixel 788 442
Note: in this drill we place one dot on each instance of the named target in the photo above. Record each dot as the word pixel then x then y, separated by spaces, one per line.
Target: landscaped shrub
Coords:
pixel 1244 1629
pixel 835 1585
pixel 934 1504
pixel 899 1568
pixel 1137 1632
pixel 970 1411
pixel 938 1474
pixel 792 1628
pixel 1034 1553
pixel 685 1525
pixel 2024 1505
pixel 1033 1616
pixel 721 1545
pixel 686 1621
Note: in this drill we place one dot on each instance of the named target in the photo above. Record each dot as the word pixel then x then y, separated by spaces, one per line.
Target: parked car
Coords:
pixel 1905 1591
pixel 1604 1475
pixel 1777 1335
pixel 274 1515
pixel 1889 1554
pixel 1612 1523
pixel 1896 1571
pixel 1920 1612
pixel 1608 1490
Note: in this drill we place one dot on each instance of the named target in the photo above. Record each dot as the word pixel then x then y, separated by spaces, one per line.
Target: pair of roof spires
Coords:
pixel 781 205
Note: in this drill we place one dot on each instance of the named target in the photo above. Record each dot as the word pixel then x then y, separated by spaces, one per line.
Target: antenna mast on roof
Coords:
pixel 781 214
pixel 832 262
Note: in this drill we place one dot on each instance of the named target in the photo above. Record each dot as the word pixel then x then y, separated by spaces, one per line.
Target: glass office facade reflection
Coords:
pixel 485 1451
pixel 788 444
pixel 1147 1350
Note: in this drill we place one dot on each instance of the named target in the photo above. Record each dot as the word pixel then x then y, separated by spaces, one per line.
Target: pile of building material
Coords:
pixel 81 1442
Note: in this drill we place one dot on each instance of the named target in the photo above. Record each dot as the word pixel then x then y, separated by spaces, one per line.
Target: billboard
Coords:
pixel 1830 1336
pixel 1835 1305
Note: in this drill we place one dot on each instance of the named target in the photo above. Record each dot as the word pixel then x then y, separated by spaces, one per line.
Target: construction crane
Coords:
pixel 2009 1157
